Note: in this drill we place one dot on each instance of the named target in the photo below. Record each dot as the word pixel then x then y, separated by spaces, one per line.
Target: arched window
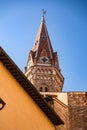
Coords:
pixel 46 89
pixel 49 71
pixel 45 71
pixel 40 89
pixel 38 70
pixel 42 71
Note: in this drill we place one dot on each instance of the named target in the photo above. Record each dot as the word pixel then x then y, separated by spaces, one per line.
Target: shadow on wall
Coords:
pixel 2 104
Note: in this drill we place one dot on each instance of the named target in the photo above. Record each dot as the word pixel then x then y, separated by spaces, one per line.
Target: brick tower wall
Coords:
pixel 77 110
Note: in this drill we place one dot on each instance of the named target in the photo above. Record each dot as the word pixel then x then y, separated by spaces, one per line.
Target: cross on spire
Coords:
pixel 44 12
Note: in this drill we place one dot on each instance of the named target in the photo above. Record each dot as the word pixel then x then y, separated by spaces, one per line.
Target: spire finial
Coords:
pixel 44 12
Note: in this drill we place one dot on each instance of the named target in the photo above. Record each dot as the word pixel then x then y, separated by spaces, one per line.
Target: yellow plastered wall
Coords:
pixel 20 111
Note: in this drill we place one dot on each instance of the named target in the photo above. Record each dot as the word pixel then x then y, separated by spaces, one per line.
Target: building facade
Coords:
pixel 21 105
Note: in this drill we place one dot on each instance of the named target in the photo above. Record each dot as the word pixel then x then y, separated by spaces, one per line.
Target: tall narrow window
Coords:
pixel 46 89
pixel 40 89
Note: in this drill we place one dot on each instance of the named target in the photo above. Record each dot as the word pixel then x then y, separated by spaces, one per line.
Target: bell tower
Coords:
pixel 42 66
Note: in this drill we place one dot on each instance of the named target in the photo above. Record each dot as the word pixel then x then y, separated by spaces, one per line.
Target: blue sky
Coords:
pixel 66 22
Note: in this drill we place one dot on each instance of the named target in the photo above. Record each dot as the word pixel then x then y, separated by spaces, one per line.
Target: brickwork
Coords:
pixel 46 76
pixel 42 67
pixel 62 110
pixel 77 110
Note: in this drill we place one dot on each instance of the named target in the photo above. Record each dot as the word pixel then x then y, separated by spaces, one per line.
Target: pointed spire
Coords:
pixel 42 40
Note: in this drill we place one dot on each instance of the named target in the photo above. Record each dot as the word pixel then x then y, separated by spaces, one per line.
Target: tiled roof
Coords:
pixel 28 87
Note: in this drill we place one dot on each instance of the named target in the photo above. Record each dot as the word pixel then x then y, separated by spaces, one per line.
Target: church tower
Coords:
pixel 42 66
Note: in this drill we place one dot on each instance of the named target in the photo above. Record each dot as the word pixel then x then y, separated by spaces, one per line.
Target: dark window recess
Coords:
pixel 2 104
pixel 46 89
pixel 41 89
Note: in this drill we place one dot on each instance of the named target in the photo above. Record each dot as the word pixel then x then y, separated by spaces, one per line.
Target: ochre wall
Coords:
pixel 20 111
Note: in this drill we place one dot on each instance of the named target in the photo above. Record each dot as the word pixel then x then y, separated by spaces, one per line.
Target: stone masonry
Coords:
pixel 77 110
